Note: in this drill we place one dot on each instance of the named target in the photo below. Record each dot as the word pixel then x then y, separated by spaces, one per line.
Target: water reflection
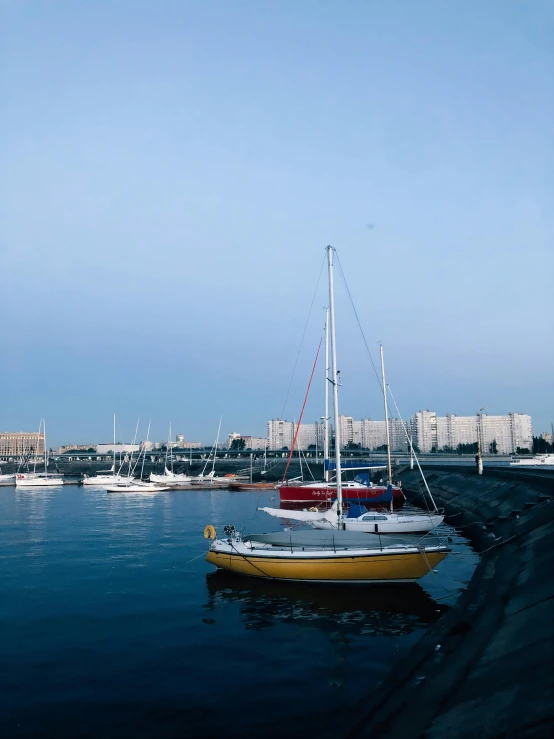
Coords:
pixel 381 610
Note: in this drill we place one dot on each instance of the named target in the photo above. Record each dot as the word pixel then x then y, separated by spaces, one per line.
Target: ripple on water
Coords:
pixel 109 628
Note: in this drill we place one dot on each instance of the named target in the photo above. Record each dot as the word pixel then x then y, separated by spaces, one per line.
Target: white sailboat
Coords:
pixel 170 477
pixel 101 479
pixel 34 480
pixel 211 480
pixel 130 485
pixel 359 518
pixel 331 556
pixel 7 479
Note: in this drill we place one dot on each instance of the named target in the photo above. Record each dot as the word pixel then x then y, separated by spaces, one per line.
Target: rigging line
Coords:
pixel 412 450
pixel 264 574
pixel 302 340
pixel 302 411
pixel 359 322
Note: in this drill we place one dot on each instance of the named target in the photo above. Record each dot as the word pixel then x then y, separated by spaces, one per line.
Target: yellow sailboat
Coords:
pixel 318 556
pixel 325 563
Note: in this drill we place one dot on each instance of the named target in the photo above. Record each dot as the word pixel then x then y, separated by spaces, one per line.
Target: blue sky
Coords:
pixel 173 172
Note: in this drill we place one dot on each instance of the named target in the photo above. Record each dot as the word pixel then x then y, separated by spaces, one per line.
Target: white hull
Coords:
pixel 7 479
pixel 546 460
pixel 38 482
pixel 387 524
pixel 170 479
pixel 100 481
pixel 369 522
pixel 136 487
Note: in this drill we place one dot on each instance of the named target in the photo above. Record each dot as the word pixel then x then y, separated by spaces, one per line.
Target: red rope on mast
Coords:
pixel 302 412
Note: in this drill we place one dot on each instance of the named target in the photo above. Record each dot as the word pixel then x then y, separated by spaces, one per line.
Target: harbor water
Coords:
pixel 113 625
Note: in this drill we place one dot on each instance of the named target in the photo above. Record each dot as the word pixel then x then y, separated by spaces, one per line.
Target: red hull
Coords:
pixel 305 494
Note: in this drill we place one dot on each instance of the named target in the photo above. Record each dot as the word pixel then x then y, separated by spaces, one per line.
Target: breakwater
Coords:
pixel 485 668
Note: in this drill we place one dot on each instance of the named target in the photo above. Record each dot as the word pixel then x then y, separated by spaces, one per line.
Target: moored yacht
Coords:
pixel 321 556
pixel 33 479
pixel 539 460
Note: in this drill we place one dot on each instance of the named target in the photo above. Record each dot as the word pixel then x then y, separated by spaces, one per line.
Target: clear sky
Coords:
pixel 171 174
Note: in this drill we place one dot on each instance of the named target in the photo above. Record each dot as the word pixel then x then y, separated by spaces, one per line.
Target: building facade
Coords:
pixel 372 434
pixel 17 443
pixel 367 433
pixel 250 442
pixel 503 434
pixel 279 434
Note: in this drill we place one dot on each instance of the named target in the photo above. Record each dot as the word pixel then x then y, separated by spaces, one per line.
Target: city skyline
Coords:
pixel 166 214
pixel 448 430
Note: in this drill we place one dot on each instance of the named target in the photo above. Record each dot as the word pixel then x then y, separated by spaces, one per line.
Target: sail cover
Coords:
pixel 354 464
pixel 355 510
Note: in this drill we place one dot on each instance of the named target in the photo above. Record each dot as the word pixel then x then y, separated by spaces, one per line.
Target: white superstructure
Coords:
pixel 540 460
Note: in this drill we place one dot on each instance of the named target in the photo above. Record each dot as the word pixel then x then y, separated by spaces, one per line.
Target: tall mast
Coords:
pixel 167 446
pixel 216 443
pixel 45 452
pixel 114 443
pixel 171 446
pixel 389 464
pixel 334 381
pixel 144 449
pixel 326 420
pixel 37 447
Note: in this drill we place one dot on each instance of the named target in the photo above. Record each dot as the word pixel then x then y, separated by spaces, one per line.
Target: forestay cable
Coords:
pixel 302 341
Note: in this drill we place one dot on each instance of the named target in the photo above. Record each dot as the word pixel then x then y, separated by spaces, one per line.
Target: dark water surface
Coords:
pixel 107 629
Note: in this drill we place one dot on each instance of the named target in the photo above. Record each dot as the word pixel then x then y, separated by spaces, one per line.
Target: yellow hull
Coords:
pixel 378 568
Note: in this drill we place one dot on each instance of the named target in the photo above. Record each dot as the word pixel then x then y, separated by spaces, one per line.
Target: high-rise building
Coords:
pixel 280 434
pixel 505 434
pixel 367 433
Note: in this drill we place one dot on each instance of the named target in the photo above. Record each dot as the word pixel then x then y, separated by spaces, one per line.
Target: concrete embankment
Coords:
pixel 486 668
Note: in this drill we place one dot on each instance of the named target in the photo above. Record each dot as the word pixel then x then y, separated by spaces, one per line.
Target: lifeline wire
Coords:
pixel 302 340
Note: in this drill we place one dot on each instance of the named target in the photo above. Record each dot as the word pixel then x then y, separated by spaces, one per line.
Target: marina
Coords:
pixel 278 280
pixel 113 619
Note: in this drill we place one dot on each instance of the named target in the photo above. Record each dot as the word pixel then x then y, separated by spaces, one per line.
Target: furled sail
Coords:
pixel 309 516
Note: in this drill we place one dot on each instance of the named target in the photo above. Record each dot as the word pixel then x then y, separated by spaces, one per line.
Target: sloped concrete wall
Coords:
pixel 486 669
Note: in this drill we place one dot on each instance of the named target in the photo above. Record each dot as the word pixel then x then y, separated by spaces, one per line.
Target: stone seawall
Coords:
pixel 486 668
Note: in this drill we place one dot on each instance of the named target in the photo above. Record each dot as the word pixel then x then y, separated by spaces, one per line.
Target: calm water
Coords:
pixel 109 630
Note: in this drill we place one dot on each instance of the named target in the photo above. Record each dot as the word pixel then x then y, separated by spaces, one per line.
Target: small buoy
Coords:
pixel 209 532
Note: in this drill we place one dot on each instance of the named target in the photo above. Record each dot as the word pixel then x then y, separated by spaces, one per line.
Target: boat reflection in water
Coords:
pixel 381 610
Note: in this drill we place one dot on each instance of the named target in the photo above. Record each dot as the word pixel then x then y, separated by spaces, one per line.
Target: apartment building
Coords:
pixel 505 433
pixel 367 433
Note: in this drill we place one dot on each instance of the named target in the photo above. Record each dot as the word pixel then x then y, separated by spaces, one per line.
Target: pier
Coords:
pixel 485 668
